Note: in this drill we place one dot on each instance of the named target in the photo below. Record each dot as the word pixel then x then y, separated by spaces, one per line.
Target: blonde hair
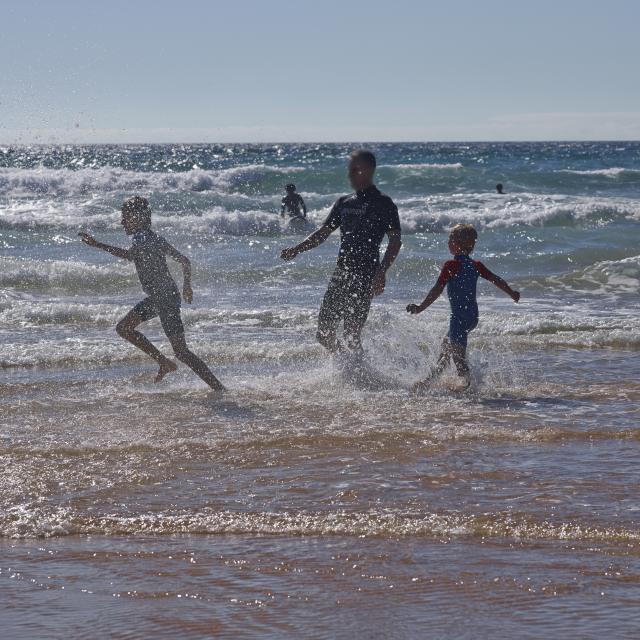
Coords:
pixel 464 235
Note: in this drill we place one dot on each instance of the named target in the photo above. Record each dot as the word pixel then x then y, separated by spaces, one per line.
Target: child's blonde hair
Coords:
pixel 464 235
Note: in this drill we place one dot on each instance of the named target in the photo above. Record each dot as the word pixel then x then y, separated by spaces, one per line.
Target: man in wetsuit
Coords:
pixel 293 204
pixel 364 218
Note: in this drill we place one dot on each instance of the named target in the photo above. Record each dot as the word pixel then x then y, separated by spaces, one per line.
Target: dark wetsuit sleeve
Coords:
pixel 450 268
pixel 333 220
pixel 393 219
pixel 483 272
pixel 168 249
pixel 165 247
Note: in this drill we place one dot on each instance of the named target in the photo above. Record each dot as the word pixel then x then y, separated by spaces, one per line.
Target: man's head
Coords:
pixel 136 215
pixel 462 239
pixel 291 188
pixel 499 187
pixel 362 166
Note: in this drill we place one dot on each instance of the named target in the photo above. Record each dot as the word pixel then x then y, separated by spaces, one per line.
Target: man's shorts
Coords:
pixel 168 310
pixel 348 298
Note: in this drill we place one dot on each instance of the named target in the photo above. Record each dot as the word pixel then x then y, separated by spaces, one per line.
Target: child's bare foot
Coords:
pixel 165 367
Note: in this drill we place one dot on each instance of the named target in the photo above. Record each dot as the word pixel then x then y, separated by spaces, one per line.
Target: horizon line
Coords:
pixel 346 142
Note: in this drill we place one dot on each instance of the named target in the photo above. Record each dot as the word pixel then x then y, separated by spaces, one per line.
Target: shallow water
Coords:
pixel 311 501
pixel 318 587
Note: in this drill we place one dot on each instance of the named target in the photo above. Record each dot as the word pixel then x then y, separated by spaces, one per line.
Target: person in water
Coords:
pixel 293 204
pixel 460 276
pixel 148 252
pixel 364 218
pixel 499 188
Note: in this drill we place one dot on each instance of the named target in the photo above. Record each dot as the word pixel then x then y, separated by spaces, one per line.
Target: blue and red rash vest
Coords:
pixel 460 275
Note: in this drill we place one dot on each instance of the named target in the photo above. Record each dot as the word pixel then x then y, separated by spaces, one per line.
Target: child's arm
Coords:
pixel 185 263
pixel 449 269
pixel 432 296
pixel 497 281
pixel 118 252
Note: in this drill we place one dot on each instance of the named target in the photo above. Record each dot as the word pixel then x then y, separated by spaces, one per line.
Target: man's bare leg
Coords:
pixel 352 331
pixel 329 341
pixel 193 362
pixel 327 330
pixel 329 316
pixel 126 329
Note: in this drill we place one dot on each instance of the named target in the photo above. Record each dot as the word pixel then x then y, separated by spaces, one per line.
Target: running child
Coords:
pixel 148 252
pixel 460 276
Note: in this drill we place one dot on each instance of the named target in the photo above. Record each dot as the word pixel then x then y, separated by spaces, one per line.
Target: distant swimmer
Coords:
pixel 293 204
pixel 148 252
pixel 499 189
pixel 460 277
pixel 364 218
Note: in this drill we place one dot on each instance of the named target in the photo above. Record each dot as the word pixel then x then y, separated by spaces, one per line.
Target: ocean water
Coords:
pixel 309 502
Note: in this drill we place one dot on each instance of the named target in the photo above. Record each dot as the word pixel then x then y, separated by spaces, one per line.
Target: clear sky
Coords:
pixel 323 70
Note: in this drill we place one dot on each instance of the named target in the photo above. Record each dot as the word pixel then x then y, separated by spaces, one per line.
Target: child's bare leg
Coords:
pixel 193 362
pixel 443 359
pixel 126 329
pixel 165 367
pixel 459 354
pixel 441 364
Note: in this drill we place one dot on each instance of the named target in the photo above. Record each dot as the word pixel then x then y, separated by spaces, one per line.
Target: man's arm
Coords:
pixel 497 281
pixel 114 251
pixel 185 263
pixel 313 241
pixel 317 237
pixel 304 207
pixel 391 253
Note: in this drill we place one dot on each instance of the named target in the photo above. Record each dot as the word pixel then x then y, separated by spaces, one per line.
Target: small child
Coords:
pixel 148 252
pixel 460 276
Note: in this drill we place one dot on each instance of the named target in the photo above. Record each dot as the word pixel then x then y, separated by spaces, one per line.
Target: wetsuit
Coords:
pixel 364 218
pixel 294 205
pixel 460 275
pixel 149 251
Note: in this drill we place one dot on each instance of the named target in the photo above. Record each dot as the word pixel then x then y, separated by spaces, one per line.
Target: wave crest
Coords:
pixel 44 181
pixel 38 522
